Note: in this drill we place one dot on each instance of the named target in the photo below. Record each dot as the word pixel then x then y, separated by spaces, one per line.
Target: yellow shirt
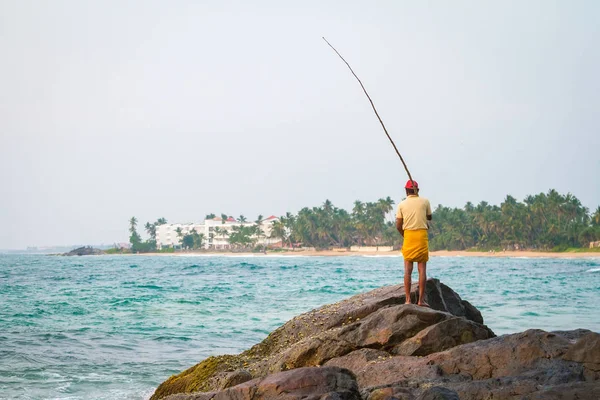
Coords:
pixel 414 211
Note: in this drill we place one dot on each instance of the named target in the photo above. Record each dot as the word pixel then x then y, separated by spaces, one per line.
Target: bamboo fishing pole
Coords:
pixel 377 114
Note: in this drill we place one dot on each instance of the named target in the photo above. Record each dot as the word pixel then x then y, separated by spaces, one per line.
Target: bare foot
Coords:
pixel 423 304
pixel 407 302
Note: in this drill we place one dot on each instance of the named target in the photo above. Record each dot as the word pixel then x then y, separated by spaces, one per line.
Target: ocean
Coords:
pixel 114 327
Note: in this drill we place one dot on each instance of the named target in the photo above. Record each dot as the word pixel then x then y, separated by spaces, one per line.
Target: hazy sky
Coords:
pixel 175 109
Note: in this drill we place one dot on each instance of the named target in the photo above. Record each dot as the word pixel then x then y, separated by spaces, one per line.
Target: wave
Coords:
pixel 593 270
pixel 153 287
pixel 381 256
pixel 172 338
pixel 193 266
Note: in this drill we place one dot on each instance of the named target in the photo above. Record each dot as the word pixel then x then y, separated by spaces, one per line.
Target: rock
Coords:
pixel 358 359
pixel 442 336
pixel 441 297
pixel 381 330
pixel 508 355
pixel 235 378
pixel 401 371
pixel 438 393
pixel 374 347
pixel 506 367
pixel 84 251
pixel 376 319
pixel 327 383
pixel 587 351
pixel 390 393
pixel 570 391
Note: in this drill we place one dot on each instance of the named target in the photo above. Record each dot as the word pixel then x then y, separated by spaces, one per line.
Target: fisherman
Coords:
pixel 411 221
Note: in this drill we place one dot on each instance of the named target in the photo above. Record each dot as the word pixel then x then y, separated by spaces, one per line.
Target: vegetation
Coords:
pixel 137 244
pixel 545 221
pixel 329 226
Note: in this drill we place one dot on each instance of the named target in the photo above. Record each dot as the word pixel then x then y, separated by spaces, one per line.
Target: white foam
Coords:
pixel 284 256
pixel 593 270
pixel 198 255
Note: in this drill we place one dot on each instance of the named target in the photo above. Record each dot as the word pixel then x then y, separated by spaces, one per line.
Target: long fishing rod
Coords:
pixel 376 113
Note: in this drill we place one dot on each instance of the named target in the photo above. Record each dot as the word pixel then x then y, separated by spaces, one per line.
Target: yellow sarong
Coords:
pixel 416 246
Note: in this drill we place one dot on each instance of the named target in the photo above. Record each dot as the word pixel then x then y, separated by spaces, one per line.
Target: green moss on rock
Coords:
pixel 198 377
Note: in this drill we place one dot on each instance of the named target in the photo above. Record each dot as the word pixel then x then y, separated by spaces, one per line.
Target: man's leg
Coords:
pixel 408 268
pixel 422 281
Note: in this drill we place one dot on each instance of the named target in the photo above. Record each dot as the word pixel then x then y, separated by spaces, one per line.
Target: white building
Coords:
pixel 167 236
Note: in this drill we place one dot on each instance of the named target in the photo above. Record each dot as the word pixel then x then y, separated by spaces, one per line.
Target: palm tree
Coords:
pixel 161 221
pixel 200 240
pixel 210 216
pixel 134 238
pixel 386 204
pixel 596 217
pixel 328 206
pixel 151 230
pixel 221 232
pixel 257 227
pixel 132 224
pixel 242 219
pixel 179 236
pixel 278 231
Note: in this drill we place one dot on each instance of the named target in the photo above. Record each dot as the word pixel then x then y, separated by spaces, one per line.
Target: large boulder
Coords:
pixel 374 347
pixel 442 336
pixel 377 319
pixel 508 367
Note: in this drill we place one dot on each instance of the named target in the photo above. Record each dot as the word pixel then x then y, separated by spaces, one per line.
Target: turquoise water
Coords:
pixel 114 327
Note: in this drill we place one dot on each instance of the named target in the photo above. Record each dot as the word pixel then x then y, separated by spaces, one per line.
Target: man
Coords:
pixel 411 221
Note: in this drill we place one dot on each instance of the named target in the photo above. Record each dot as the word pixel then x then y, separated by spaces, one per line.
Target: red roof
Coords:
pixel 271 217
pixel 230 219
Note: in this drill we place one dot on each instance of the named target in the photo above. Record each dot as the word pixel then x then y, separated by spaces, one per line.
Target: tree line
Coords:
pixel 545 221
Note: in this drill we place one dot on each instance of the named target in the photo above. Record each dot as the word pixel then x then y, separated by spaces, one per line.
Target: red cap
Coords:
pixel 409 184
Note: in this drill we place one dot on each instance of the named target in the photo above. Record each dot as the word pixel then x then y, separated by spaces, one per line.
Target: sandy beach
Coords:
pixel 328 253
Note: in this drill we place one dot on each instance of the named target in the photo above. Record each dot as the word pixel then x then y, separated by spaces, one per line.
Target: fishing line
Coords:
pixel 376 113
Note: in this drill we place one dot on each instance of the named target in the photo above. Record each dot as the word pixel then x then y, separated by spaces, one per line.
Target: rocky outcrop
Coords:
pixel 84 251
pixel 373 346
pixel 507 367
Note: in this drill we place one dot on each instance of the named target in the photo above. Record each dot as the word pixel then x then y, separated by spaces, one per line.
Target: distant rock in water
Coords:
pixel 84 251
pixel 374 347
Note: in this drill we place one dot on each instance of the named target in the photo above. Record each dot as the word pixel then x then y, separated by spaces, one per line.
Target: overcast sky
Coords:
pixel 175 109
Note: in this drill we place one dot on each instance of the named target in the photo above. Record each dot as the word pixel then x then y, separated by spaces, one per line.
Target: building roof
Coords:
pixel 271 217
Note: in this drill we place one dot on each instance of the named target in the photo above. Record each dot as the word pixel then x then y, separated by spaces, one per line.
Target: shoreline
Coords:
pixel 398 254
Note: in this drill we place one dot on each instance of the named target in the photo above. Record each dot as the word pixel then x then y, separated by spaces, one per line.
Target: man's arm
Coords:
pixel 428 212
pixel 399 223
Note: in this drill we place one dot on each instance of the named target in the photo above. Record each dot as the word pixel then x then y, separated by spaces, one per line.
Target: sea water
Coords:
pixel 114 327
